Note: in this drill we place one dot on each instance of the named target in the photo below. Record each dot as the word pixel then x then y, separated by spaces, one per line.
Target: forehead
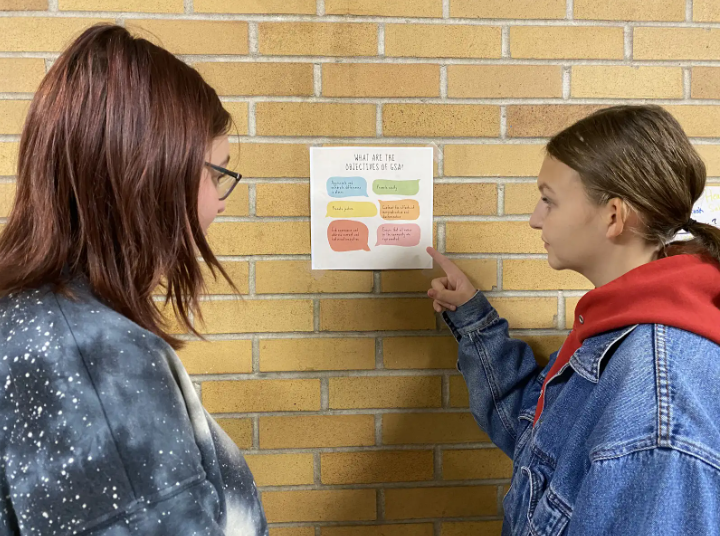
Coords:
pixel 558 177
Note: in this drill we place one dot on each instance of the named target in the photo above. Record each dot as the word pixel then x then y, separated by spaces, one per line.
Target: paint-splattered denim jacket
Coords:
pixel 628 443
pixel 102 432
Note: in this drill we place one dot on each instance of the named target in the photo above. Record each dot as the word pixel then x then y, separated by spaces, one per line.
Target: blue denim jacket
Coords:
pixel 628 442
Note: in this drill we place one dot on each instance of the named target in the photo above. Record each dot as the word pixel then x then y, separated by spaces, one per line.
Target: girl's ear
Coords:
pixel 617 214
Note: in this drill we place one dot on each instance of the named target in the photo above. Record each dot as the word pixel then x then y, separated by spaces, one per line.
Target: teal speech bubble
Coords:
pixel 346 187
pixel 388 187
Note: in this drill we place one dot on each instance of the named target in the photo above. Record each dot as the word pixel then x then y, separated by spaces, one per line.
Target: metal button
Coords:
pixel 581 319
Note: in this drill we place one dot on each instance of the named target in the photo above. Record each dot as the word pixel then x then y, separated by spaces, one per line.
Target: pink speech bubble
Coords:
pixel 348 235
pixel 405 235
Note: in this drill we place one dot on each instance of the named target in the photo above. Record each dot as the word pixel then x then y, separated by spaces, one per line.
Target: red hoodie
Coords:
pixel 681 291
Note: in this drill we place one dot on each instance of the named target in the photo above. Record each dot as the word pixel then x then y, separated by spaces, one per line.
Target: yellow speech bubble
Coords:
pixel 405 209
pixel 351 209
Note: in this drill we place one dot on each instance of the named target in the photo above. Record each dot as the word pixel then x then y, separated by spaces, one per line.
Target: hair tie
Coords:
pixel 689 225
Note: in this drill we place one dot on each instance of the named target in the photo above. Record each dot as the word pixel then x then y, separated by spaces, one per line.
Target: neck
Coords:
pixel 619 261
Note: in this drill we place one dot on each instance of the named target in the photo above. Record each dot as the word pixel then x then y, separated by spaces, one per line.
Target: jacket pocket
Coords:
pixel 547 514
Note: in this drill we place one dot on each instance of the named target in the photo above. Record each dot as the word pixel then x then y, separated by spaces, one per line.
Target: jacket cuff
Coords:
pixel 475 314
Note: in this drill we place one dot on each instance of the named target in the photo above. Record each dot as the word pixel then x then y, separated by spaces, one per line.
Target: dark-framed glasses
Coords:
pixel 226 181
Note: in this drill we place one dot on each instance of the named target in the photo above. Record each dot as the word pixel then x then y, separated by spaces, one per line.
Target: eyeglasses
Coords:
pixel 226 182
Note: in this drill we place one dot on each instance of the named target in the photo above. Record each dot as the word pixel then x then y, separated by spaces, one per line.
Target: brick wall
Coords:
pixel 340 387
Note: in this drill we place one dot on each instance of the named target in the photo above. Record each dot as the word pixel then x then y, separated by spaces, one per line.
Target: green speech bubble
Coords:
pixel 388 187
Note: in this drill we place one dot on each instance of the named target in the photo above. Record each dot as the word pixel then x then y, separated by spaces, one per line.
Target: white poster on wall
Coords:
pixel 706 209
pixel 371 207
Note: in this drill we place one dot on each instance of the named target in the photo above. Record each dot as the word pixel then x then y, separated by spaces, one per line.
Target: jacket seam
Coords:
pixel 662 387
pixel 675 447
pixel 477 341
pixel 100 402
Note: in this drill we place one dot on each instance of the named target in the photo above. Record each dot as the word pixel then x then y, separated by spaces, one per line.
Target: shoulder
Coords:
pixel 659 389
pixel 89 401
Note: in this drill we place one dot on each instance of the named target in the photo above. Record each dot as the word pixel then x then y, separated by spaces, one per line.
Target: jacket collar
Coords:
pixel 587 360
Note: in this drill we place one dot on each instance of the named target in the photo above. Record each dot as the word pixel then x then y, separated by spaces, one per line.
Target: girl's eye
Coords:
pixel 546 200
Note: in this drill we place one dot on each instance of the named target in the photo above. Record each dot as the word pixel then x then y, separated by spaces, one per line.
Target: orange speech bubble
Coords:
pixel 405 209
pixel 348 235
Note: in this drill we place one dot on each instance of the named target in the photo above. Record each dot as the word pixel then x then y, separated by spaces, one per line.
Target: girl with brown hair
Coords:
pixel 619 433
pixel 122 168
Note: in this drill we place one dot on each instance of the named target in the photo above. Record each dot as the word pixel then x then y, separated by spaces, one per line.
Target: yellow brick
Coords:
pixel 20 34
pixel 317 39
pixel 508 9
pixel 482 274
pixel 194 36
pixel 143 6
pixel 245 316
pixel 276 277
pixel 315 119
pixel 660 10
pixel 7 198
pixel 475 528
pixel 261 395
pixel 569 42
pixel 278 355
pixel 527 313
pixel 492 237
pixel 258 7
pixel 676 43
pixel 23 5
pixel 376 314
pixel 430 428
pixel 239 430
pixel 239 113
pixel 386 392
pixel 493 160
pixel 335 505
pixel 21 75
pixel 172 324
pixel 459 396
pixel 419 352
pixel 237 203
pixel 383 8
pixel 709 153
pixel 521 198
pixel 440 120
pixel 284 199
pixel 440 502
pixel 504 81
pixel 466 199
pixel 238 272
pixel 404 529
pixel 536 274
pixel 442 41
pixel 251 78
pixel 281 469
pixel 570 305
pixel 697 121
pixel 616 82
pixel 317 431
pixel 376 466
pixel 706 11
pixel 218 357
pixel 544 119
pixel 380 80
pixel 476 464
pixel 543 345
pixel 260 238
pixel 705 83
pixel 259 160
pixel 292 531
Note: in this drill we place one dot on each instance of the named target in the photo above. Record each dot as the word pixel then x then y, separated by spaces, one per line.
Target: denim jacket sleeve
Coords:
pixel 648 492
pixel 501 373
